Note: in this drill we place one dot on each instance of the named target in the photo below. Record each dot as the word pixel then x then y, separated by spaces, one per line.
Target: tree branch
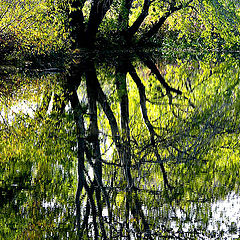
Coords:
pixel 123 17
pixel 77 22
pixel 98 10
pixel 149 63
pixel 134 28
pixel 155 28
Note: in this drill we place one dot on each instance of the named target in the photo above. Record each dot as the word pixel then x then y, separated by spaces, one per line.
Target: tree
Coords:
pixel 85 29
pixel 45 27
pixel 126 21
pixel 30 27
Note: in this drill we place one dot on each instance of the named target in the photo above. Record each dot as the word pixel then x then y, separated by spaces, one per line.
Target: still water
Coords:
pixel 126 147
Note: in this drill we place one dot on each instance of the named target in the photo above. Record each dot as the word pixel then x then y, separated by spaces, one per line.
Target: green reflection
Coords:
pixel 129 148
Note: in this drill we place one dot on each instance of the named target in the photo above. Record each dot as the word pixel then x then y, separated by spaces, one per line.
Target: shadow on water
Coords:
pixel 127 148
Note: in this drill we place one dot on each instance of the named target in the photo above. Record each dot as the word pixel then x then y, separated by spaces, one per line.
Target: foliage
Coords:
pixel 31 26
pixel 46 27
pixel 207 24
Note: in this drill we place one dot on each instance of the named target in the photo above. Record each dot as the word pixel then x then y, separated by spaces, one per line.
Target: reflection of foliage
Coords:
pixel 36 161
pixel 185 126
pixel 149 139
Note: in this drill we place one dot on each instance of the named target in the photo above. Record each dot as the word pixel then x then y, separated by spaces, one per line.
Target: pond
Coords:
pixel 131 146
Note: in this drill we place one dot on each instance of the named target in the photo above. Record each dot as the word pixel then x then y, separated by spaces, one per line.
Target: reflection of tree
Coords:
pixel 150 163
pixel 89 144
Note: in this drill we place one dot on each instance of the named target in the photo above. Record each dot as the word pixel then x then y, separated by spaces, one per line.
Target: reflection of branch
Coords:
pixel 94 141
pixel 141 90
pixel 142 95
pixel 85 220
pixel 111 163
pixel 125 153
pixel 90 191
pixel 137 211
pixel 149 63
pixel 78 116
pixel 72 84
pixel 102 99
pixel 149 191
pixel 98 185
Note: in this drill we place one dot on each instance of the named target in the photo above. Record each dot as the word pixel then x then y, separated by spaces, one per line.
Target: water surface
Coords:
pixel 135 147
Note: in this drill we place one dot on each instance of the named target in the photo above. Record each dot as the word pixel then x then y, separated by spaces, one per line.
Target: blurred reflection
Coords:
pixel 130 148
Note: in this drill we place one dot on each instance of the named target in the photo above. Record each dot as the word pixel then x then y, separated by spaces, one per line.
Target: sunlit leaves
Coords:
pixel 207 24
pixel 32 26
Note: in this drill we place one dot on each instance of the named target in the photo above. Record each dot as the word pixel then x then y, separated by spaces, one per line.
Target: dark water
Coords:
pixel 127 147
